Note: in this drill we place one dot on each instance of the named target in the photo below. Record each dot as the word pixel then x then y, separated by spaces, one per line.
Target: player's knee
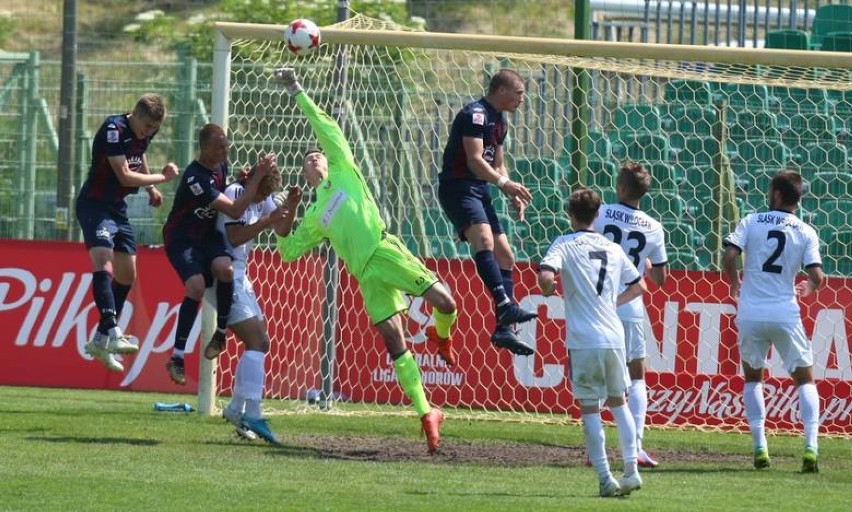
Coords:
pixel 195 287
pixel 223 270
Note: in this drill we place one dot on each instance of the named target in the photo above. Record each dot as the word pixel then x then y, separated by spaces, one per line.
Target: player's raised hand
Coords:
pixel 294 197
pixel 514 189
pixel 287 77
pixel 264 166
pixel 520 206
pixel 170 171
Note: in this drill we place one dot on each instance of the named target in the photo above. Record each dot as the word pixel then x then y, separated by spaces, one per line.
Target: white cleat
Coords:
pixel 121 345
pixel 235 418
pixel 609 488
pixel 630 483
pixel 104 356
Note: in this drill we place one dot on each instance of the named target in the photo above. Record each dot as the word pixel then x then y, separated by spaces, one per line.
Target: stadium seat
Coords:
pixel 807 129
pixel 691 121
pixel 830 18
pixel 837 42
pixel 688 92
pixel 839 252
pixel 824 157
pixel 788 39
pixel 546 200
pixel 664 177
pixel 599 148
pixel 664 205
pixel 544 228
pixel 754 124
pixel 601 173
pixel 684 260
pixel 535 172
pixel 682 236
pixel 443 247
pixel 435 223
pixel 831 184
pixel 746 96
pixel 632 119
pixel 755 154
pixel 649 148
pixel 698 151
pixel 838 212
pixel 794 100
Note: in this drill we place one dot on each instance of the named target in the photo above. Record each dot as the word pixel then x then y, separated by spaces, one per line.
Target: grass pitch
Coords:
pixel 97 450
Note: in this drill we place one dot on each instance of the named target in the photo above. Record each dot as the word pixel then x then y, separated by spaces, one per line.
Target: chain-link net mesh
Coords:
pixel 712 135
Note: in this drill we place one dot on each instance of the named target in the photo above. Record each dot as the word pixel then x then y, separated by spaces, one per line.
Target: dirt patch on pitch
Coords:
pixel 462 452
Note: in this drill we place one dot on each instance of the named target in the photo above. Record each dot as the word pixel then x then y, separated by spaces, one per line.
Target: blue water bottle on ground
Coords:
pixel 173 407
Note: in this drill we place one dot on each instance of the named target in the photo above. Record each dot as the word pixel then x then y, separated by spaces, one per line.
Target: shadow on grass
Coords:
pixel 95 440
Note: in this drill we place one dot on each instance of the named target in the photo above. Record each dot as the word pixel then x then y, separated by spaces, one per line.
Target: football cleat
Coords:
pixel 235 418
pixel 609 488
pixel 810 460
pixel 176 370
pixel 121 344
pixel 444 345
pixel 511 313
pixel 104 356
pixel 630 483
pixel 646 461
pixel 216 345
pixel 430 425
pixel 761 458
pixel 260 426
pixel 505 337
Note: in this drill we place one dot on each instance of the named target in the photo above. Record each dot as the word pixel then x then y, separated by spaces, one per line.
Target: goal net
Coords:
pixel 712 126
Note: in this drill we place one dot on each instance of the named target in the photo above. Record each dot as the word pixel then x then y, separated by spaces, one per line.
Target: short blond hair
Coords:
pixel 151 106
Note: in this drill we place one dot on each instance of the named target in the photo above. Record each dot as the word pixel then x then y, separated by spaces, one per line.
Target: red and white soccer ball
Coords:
pixel 302 37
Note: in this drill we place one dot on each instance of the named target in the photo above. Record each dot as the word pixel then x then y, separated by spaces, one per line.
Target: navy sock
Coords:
pixel 224 300
pixel 508 284
pixel 119 292
pixel 489 272
pixel 186 317
pixel 104 300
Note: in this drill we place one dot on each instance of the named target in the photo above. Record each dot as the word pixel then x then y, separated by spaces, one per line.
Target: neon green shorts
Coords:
pixel 391 270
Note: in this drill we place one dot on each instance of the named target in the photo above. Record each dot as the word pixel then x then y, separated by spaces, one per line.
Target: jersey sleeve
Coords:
pixel 202 189
pixel 331 138
pixel 301 240
pixel 113 134
pixel 811 257
pixel 473 122
pixel 658 255
pixel 629 272
pixel 552 259
pixel 738 237
pixel 268 206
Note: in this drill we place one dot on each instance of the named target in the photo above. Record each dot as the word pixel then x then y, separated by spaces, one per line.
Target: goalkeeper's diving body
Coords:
pixel 345 213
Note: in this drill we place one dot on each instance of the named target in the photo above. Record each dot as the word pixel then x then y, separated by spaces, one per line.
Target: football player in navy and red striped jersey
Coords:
pixel 473 158
pixel 194 247
pixel 119 167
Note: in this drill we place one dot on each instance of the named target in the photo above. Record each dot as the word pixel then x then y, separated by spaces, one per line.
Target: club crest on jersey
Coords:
pixel 112 136
pixel 196 189
pixel 479 118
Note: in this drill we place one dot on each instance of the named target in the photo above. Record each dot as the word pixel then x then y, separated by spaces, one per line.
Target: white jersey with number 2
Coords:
pixel 777 245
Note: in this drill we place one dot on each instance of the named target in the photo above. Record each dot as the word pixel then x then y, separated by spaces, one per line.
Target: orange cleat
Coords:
pixel 431 426
pixel 445 346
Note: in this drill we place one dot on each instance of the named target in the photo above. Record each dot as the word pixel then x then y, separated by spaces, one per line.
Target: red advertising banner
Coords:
pixel 47 315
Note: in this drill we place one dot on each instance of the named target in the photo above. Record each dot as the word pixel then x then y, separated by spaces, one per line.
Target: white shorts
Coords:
pixel 788 339
pixel 634 340
pixel 598 373
pixel 245 304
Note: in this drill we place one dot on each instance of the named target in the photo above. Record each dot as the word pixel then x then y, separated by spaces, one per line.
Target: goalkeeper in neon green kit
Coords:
pixel 346 214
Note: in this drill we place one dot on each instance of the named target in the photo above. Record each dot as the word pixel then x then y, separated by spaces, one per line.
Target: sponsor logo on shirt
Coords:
pixel 112 136
pixel 332 208
pixel 479 118
pixel 204 213
pixel 196 189
pixel 102 234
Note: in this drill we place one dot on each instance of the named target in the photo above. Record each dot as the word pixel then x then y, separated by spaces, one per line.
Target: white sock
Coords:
pixel 238 401
pixel 755 412
pixel 637 401
pixel 249 381
pixel 809 412
pixel 626 437
pixel 596 444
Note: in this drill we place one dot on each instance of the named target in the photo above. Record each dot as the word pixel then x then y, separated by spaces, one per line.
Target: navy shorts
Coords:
pixel 466 203
pixel 105 225
pixel 189 259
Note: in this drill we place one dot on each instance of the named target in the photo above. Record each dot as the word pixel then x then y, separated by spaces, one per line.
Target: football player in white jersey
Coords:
pixel 593 270
pixel 643 240
pixel 246 319
pixel 777 245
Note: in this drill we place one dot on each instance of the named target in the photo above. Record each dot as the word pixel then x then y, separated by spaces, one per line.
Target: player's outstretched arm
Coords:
pixel 331 138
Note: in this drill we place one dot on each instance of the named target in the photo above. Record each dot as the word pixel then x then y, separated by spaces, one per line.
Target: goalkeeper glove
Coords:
pixel 287 77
